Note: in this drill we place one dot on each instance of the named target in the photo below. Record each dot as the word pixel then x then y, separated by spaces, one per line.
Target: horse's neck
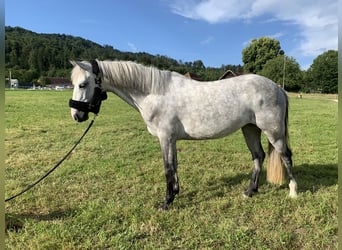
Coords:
pixel 133 93
pixel 134 99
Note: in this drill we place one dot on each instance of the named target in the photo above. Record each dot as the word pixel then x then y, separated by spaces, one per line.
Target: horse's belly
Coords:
pixel 211 127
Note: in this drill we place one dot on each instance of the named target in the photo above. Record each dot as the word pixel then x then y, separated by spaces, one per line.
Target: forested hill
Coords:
pixel 31 56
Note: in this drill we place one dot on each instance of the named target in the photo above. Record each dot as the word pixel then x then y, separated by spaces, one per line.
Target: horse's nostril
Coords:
pixel 76 118
pixel 80 116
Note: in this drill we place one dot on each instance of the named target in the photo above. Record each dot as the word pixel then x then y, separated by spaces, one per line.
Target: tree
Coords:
pixel 28 54
pixel 259 52
pixel 274 70
pixel 323 73
pixel 198 64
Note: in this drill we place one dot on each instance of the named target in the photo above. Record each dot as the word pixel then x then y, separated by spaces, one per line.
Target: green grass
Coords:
pixel 105 196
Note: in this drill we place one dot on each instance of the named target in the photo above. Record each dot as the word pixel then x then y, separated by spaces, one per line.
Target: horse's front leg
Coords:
pixel 168 147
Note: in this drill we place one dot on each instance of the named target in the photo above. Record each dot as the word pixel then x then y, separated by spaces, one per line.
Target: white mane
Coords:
pixel 130 75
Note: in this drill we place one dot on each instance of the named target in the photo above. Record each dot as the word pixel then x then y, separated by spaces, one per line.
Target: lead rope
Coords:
pixel 56 166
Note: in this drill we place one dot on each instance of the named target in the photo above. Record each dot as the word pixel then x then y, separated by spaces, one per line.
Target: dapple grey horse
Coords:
pixel 175 107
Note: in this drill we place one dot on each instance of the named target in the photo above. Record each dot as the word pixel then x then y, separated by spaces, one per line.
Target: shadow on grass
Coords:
pixel 213 188
pixel 309 177
pixel 15 222
pixel 312 177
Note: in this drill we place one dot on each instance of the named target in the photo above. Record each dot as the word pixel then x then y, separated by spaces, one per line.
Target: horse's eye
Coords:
pixel 82 85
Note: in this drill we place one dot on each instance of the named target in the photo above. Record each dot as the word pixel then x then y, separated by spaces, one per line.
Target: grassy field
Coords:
pixel 105 196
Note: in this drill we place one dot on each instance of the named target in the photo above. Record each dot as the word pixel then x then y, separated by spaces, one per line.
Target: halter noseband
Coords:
pixel 99 95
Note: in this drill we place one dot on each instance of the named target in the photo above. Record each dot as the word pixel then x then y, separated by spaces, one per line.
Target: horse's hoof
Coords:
pixel 293 189
pixel 248 193
pixel 245 197
pixel 163 207
pixel 293 195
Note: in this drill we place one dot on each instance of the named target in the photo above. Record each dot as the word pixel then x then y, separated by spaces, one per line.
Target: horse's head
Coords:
pixel 88 94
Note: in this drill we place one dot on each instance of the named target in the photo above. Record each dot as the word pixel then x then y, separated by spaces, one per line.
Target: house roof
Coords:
pixel 59 80
pixel 192 76
pixel 227 74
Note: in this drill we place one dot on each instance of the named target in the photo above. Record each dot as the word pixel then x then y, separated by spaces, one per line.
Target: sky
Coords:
pixel 214 31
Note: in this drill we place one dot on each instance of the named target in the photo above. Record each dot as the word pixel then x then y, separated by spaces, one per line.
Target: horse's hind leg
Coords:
pixel 252 136
pixel 286 156
pixel 281 147
pixel 287 159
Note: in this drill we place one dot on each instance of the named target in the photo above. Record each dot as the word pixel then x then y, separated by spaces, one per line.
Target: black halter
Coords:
pixel 99 95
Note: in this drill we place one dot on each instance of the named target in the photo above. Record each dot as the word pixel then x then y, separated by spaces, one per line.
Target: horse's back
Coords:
pixel 215 109
pixel 245 91
pixel 202 110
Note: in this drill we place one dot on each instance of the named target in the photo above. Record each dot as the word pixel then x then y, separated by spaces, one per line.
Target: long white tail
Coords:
pixel 275 167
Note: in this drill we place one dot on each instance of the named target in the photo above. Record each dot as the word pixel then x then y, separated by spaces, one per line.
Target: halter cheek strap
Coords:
pixel 96 71
pixel 99 94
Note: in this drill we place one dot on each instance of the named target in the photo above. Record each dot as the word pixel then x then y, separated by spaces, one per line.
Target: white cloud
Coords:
pixel 132 47
pixel 274 36
pixel 316 20
pixel 208 40
pixel 246 43
pixel 212 11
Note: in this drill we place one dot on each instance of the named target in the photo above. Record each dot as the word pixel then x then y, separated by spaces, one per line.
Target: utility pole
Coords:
pixel 284 73
pixel 10 78
pixel 281 52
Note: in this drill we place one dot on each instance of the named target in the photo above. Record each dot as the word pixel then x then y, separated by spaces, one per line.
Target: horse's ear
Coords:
pixel 72 62
pixel 83 65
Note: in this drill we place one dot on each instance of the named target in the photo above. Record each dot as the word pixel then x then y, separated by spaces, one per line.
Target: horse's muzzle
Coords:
pixel 79 116
pixel 80 108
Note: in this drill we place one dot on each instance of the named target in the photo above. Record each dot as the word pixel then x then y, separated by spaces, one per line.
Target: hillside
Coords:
pixel 31 56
